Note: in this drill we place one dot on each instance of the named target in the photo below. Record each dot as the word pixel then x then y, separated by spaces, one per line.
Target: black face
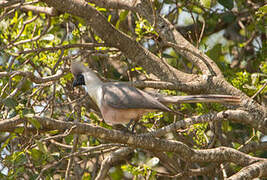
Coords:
pixel 79 80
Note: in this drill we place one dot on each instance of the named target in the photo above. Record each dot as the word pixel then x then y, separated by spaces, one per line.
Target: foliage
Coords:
pixel 29 41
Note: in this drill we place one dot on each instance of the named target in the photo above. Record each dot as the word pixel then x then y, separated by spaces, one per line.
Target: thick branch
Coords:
pixel 127 45
pixel 4 4
pixel 254 146
pixel 233 115
pixel 250 172
pixel 37 9
pixel 115 157
pixel 114 4
pixel 221 154
pixel 168 33
pixel 33 78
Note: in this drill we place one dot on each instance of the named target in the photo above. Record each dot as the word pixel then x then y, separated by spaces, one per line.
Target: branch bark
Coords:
pixel 113 158
pixel 33 78
pixel 255 170
pixel 148 142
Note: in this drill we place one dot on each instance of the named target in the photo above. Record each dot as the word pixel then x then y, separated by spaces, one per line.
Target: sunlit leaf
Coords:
pixel 229 4
pixel 10 102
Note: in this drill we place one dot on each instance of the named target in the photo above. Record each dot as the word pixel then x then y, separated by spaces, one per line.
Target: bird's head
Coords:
pixel 83 75
pixel 77 69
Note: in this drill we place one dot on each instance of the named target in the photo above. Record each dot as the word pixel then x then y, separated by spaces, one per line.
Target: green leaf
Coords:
pixel 206 3
pixel 3 145
pixel 109 17
pixel 167 55
pixel 86 176
pixel 229 18
pixel 42 147
pixel 27 111
pixel 35 123
pixel 215 52
pixel 19 130
pixel 15 18
pixel 69 139
pixel 101 9
pixel 263 9
pixel 26 86
pixel 19 158
pixel 229 4
pixel 10 102
pixel 36 154
pixel 122 17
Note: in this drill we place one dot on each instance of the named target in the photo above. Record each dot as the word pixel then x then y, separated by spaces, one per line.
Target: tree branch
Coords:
pixel 233 115
pixel 33 78
pixel 113 158
pixel 126 44
pixel 221 154
pixel 252 171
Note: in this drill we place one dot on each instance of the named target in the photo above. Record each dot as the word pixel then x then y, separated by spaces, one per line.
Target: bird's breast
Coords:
pixel 95 92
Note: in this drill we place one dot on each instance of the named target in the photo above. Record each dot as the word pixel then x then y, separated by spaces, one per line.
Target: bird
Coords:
pixel 120 103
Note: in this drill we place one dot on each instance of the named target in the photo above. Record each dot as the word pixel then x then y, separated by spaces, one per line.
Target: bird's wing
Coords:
pixel 121 96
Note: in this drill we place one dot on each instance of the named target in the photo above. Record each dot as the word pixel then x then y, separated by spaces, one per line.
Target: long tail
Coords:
pixel 215 98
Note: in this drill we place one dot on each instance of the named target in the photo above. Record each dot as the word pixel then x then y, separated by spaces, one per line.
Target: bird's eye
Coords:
pixel 79 76
pixel 80 79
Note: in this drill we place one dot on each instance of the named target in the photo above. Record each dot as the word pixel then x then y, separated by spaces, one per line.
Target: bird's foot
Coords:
pixel 120 127
pixel 132 123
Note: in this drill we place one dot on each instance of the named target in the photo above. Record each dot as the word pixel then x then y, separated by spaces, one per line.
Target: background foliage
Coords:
pixel 232 33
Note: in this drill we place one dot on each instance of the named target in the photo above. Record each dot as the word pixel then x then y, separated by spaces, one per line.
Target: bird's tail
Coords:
pixel 210 98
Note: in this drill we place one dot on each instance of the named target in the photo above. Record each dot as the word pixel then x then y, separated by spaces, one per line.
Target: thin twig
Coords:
pixel 258 92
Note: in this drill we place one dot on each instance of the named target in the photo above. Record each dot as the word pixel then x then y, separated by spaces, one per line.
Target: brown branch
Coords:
pixel 12 43
pixel 18 87
pixel 8 123
pixel 22 29
pixel 33 78
pixel 233 115
pixel 253 146
pixel 258 92
pixel 113 158
pixel 114 4
pixel 7 14
pixel 207 170
pixel 4 4
pixel 252 171
pixel 170 163
pixel 221 154
pixel 87 149
pixel 75 143
pixel 63 47
pixel 168 85
pixel 37 9
pixel 87 153
pixel 127 45
pixel 169 34
pixel 26 6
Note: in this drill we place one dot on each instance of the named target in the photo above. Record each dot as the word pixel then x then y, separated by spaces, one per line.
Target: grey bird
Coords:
pixel 121 104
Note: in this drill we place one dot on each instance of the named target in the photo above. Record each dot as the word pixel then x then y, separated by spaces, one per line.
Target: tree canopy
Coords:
pixel 50 130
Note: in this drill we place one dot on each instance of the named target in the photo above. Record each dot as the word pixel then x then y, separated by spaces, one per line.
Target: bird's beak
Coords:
pixel 78 80
pixel 75 83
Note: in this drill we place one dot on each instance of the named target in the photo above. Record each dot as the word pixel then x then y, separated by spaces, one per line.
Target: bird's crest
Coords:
pixel 78 68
